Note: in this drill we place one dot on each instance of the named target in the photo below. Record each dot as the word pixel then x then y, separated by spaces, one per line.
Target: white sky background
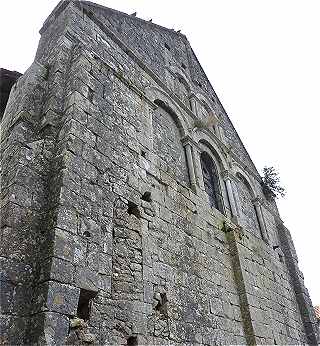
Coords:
pixel 262 58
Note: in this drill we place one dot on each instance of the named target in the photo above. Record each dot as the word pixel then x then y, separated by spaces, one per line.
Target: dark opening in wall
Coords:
pixel 162 305
pixel 280 257
pixel 143 154
pixel 90 94
pixel 133 210
pixel 87 234
pixel 132 341
pixel 147 196
pixel 183 66
pixel 167 46
pixel 84 304
pixel 47 72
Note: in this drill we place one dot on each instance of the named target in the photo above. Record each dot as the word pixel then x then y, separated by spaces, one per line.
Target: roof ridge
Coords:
pixel 173 31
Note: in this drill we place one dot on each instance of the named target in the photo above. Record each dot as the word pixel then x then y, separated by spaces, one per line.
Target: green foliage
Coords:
pixel 271 184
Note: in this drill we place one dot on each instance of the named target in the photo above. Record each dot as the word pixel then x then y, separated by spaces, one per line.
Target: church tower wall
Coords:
pixel 131 212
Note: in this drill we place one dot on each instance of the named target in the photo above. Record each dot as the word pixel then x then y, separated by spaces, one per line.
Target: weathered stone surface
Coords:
pixel 105 202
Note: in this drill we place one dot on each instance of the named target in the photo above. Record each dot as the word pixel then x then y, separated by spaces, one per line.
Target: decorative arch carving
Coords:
pixel 203 138
pixel 167 144
pixel 246 195
pixel 173 115
pixel 183 124
pixel 246 181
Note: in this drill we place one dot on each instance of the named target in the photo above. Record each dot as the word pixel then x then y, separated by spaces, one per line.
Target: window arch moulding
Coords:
pixel 207 150
pixel 167 133
pixel 249 209
pixel 182 121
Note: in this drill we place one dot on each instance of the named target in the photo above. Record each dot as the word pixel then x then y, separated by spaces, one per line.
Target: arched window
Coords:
pixel 249 212
pixel 211 181
pixel 167 144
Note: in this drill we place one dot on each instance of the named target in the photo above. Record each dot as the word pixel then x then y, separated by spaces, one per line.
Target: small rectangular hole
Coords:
pixel 133 209
pixel 147 196
pixel 84 304
pixel 90 94
pixel 132 341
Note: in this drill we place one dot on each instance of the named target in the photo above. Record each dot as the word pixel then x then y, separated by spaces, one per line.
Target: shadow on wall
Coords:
pixel 7 80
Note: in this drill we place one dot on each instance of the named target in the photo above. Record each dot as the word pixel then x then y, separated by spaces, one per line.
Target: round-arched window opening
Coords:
pixel 211 181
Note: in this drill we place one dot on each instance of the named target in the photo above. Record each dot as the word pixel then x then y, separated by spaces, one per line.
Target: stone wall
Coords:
pixel 107 230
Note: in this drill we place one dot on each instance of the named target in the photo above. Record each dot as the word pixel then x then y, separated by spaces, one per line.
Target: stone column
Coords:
pixel 193 104
pixel 227 178
pixel 187 143
pixel 221 134
pixel 236 198
pixel 257 203
pixel 197 165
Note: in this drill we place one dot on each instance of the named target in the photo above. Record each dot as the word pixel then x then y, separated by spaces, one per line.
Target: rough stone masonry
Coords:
pixel 131 212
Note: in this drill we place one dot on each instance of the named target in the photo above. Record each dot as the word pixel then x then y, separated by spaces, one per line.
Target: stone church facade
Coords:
pixel 131 212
